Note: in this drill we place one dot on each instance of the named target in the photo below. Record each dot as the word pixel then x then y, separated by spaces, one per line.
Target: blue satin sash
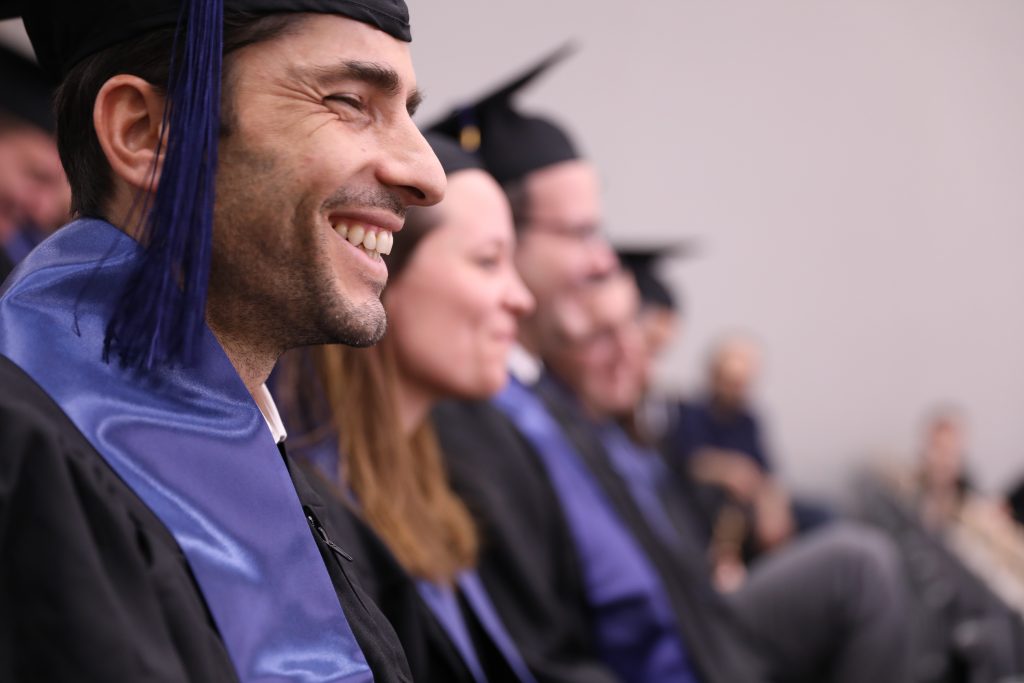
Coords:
pixel 635 629
pixel 644 473
pixel 193 446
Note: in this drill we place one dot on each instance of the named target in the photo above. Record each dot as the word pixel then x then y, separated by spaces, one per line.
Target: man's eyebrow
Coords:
pixel 379 76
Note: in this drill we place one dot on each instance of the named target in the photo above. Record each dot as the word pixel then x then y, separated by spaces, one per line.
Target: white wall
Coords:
pixel 854 171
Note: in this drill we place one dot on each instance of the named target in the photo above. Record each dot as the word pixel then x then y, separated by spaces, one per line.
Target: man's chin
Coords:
pixel 361 325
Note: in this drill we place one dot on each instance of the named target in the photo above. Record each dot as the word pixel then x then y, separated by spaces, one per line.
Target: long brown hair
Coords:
pixel 399 482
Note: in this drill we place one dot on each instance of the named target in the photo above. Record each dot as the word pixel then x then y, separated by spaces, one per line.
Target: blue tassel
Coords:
pixel 161 314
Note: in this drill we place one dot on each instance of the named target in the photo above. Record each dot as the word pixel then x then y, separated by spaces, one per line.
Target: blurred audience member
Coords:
pixel 34 193
pixel 943 483
pixel 721 440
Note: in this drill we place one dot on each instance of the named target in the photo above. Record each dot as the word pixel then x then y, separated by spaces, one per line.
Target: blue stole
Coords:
pixel 192 444
pixel 635 628
pixel 643 473
pixel 444 604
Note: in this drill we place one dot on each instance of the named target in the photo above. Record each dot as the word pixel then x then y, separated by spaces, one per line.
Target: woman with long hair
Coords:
pixel 452 302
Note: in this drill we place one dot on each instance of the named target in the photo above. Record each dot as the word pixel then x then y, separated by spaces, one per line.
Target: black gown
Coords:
pixel 528 562
pixel 431 654
pixel 94 588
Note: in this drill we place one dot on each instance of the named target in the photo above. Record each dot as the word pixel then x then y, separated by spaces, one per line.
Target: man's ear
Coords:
pixel 128 116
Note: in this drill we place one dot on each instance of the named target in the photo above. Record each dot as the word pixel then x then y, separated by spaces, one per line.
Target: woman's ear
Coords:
pixel 128 117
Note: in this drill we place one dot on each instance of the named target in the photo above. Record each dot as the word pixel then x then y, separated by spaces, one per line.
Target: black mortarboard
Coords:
pixel 643 262
pixel 162 312
pixel 510 143
pixel 25 92
pixel 63 32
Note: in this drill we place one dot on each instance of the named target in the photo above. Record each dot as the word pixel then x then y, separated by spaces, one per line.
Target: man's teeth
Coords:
pixel 376 242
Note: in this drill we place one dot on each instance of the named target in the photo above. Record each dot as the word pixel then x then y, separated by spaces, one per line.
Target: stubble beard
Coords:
pixel 279 294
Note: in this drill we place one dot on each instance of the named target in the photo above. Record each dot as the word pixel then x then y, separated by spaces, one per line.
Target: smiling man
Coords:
pixel 237 170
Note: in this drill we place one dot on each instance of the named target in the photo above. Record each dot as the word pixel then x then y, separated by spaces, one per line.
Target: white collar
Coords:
pixel 523 365
pixel 265 402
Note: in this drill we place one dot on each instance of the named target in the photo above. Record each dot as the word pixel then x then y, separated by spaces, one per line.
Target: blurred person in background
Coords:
pixel 943 483
pixel 719 439
pixel 828 608
pixel 35 197
pixel 452 302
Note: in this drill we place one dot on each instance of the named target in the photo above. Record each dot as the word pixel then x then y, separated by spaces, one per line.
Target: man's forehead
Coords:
pixel 322 42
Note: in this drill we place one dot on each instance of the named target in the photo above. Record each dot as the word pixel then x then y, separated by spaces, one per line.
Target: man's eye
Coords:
pixel 349 100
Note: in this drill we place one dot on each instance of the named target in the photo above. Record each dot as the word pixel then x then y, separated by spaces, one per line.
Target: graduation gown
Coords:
pixel 431 653
pixel 93 587
pixel 722 649
pixel 528 561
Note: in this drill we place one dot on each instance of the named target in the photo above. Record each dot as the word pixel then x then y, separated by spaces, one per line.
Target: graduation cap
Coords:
pixel 161 314
pixel 25 91
pixel 510 143
pixel 643 263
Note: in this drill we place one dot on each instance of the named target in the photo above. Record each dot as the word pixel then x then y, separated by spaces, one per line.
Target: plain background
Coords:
pixel 852 170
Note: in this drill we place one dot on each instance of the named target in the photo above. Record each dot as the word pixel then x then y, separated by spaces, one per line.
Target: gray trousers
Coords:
pixel 831 607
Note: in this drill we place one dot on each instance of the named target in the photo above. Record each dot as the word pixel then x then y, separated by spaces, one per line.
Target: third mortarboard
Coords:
pixel 642 262
pixel 161 314
pixel 25 92
pixel 510 143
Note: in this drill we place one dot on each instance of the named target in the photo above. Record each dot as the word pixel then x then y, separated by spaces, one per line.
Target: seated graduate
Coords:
pixel 152 528
pixel 34 192
pixel 828 608
pixel 452 301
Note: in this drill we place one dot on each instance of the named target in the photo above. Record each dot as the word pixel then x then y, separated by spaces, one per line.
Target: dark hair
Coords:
pixel 147 57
